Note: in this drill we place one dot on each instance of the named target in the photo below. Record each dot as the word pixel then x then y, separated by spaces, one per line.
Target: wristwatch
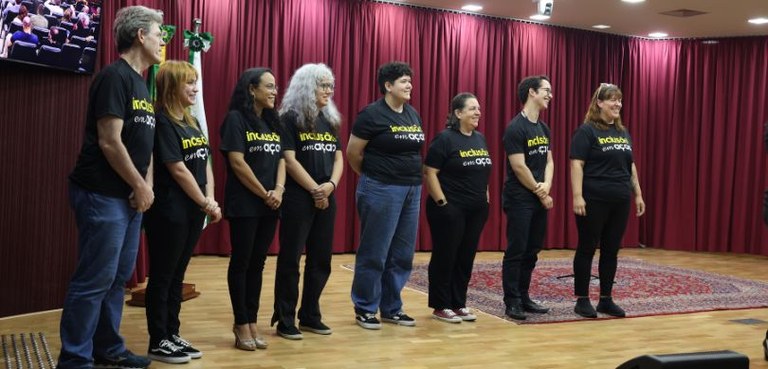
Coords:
pixel 441 202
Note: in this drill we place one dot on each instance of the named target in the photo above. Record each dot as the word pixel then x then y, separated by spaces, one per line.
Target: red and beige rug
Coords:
pixel 642 289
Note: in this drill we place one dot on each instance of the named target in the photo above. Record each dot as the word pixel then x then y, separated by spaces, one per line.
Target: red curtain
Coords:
pixel 695 112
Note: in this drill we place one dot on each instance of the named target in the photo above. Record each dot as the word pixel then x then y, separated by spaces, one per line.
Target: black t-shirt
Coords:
pixel 531 139
pixel 392 154
pixel 464 164
pixel 174 143
pixel 120 92
pixel 260 145
pixel 315 150
pixel 607 156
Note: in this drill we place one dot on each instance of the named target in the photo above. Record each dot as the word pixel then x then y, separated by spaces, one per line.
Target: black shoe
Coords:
pixel 399 318
pixel 186 347
pixel 584 308
pixel 532 307
pixel 289 332
pixel 515 311
pixel 316 327
pixel 368 321
pixel 126 360
pixel 167 352
pixel 607 306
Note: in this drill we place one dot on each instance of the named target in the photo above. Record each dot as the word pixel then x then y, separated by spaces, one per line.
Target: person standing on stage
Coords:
pixel 456 172
pixel 109 190
pixel 385 150
pixel 603 179
pixel 250 141
pixel 526 196
pixel 184 188
pixel 313 160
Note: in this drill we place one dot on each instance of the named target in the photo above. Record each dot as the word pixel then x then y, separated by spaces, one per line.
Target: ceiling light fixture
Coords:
pixel 472 8
pixel 657 34
pixel 539 17
pixel 758 20
pixel 544 7
pixel 601 26
pixel 633 1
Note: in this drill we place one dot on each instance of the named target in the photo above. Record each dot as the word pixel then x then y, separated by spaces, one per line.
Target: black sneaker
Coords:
pixel 167 352
pixel 186 347
pixel 584 308
pixel 289 332
pixel 368 321
pixel 126 360
pixel 316 327
pixel 399 318
pixel 607 306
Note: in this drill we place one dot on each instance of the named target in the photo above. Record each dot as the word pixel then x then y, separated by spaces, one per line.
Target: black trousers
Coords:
pixel 303 225
pixel 526 228
pixel 173 227
pixel 455 233
pixel 603 225
pixel 250 238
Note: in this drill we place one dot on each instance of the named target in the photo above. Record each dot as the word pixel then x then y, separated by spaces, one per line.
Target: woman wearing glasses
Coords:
pixel 254 191
pixel 313 160
pixel 603 179
pixel 385 150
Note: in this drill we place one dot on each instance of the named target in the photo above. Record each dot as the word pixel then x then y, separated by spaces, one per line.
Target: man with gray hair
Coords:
pixel 109 190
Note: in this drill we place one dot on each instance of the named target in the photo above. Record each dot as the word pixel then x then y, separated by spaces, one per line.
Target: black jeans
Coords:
pixel 173 227
pixel 603 225
pixel 250 238
pixel 303 225
pixel 455 233
pixel 526 228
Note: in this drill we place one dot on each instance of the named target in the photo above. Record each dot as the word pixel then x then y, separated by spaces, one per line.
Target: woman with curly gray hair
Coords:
pixel 312 152
pixel 109 190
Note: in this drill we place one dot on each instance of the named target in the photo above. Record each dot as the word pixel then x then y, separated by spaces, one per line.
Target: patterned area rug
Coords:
pixel 642 289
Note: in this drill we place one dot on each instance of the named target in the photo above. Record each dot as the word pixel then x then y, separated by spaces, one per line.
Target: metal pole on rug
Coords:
pixel 47 351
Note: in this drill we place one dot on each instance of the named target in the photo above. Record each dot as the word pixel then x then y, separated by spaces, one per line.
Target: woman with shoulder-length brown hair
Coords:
pixel 603 179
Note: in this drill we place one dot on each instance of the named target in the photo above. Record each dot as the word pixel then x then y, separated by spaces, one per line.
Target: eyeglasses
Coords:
pixel 546 90
pixel 271 87
pixel 326 86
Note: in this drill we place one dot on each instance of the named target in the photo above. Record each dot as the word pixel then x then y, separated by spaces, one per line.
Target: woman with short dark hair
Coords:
pixel 456 172
pixel 385 150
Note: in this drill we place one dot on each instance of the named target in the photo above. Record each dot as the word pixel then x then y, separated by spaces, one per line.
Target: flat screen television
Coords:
pixel 61 34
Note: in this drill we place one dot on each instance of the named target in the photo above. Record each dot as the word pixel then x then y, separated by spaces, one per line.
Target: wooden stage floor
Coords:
pixel 486 344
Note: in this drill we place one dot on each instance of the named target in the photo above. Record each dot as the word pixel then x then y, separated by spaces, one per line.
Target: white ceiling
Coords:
pixel 724 18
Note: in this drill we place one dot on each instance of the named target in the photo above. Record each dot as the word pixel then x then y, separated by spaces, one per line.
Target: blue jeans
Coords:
pixel 389 219
pixel 108 239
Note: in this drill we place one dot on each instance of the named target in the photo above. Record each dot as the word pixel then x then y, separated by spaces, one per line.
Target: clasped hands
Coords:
pixel 542 191
pixel 321 193
pixel 212 209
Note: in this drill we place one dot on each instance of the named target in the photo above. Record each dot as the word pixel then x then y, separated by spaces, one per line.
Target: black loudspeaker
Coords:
pixel 692 360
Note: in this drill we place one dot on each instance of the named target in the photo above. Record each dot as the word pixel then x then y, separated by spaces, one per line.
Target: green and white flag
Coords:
pixel 168 32
pixel 198 42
